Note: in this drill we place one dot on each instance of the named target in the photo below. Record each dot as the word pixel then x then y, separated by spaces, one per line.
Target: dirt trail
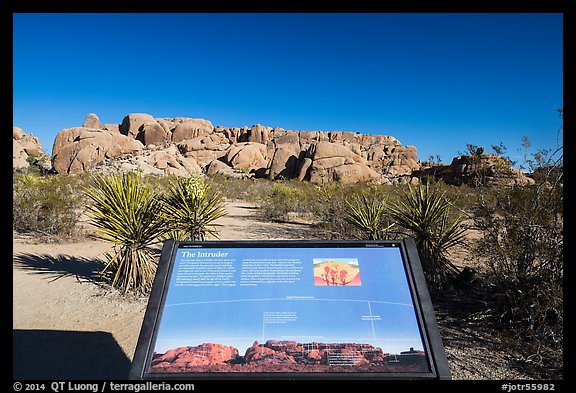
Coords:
pixel 55 299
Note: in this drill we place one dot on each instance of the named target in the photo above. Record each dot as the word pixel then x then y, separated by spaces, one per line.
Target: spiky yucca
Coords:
pixel 191 209
pixel 424 213
pixel 368 215
pixel 126 211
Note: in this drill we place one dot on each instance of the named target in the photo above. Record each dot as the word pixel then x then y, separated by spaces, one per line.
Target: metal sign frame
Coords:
pixel 423 309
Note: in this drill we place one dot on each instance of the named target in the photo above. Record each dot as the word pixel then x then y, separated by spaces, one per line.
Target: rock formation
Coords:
pixel 285 352
pixel 181 145
pixel 477 169
pixel 288 356
pixel 195 145
pixel 92 121
pixel 27 148
pixel 204 354
pixel 79 149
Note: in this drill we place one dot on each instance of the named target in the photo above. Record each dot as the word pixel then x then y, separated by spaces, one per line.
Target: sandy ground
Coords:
pixel 55 300
pixel 75 328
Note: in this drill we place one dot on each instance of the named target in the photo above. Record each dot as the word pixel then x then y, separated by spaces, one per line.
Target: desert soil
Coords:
pixel 76 328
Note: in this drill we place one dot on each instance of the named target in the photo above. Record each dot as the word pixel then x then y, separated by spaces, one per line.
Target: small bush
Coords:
pixel 245 189
pixel 329 208
pixel 45 205
pixel 282 199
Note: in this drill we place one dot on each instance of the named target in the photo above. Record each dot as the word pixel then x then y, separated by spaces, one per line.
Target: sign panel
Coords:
pixel 289 309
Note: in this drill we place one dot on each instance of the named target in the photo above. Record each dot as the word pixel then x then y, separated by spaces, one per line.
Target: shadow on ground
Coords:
pixel 63 355
pixel 59 266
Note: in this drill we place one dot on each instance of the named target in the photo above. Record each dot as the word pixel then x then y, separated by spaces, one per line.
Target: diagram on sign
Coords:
pixel 336 272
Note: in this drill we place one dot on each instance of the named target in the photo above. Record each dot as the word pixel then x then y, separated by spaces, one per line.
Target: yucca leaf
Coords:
pixel 368 216
pixel 127 212
pixel 424 214
pixel 190 208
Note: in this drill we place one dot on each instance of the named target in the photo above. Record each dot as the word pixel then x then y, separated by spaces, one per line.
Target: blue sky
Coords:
pixel 435 81
pixel 379 312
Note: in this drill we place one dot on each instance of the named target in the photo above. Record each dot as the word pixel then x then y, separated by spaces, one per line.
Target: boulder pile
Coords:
pixel 183 145
pixel 477 170
pixel 27 149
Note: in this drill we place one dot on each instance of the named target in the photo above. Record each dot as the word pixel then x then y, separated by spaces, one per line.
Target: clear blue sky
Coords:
pixel 435 81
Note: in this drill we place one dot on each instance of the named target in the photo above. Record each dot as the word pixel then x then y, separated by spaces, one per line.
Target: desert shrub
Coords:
pixel 327 205
pixel 282 199
pixel 424 213
pixel 127 212
pixel 462 198
pixel 324 206
pixel 245 189
pixel 45 205
pixel 522 240
pixel 191 208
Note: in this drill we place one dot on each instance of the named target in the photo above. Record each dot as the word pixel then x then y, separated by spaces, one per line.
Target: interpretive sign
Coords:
pixel 289 309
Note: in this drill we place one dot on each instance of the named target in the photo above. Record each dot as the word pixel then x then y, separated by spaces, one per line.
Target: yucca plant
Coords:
pixel 368 214
pixel 191 208
pixel 127 212
pixel 424 214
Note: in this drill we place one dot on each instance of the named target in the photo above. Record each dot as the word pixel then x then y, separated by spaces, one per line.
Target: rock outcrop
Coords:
pixel 92 121
pixel 182 145
pixel 204 354
pixel 288 356
pixel 258 151
pixel 476 170
pixel 80 149
pixel 286 352
pixel 132 125
pixel 26 148
pixel 152 161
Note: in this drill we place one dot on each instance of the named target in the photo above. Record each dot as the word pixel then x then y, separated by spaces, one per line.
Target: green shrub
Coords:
pixel 282 199
pixel 45 205
pixel 245 189
pixel 324 206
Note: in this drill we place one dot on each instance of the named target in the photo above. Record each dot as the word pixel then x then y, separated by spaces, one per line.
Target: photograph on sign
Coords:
pixel 278 310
